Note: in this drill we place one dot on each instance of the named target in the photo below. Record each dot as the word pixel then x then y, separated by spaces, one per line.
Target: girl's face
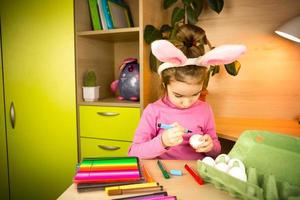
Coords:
pixel 182 94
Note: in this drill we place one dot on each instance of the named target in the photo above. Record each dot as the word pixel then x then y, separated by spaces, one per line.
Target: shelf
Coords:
pixel 231 128
pixel 113 35
pixel 111 102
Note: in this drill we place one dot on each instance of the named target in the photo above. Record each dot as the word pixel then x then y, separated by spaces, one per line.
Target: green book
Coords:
pixel 94 13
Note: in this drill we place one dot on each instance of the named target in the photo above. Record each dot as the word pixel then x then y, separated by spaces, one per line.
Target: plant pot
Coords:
pixel 90 93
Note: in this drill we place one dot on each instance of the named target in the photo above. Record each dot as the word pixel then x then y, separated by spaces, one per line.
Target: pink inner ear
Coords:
pixel 174 60
pixel 165 51
pixel 224 54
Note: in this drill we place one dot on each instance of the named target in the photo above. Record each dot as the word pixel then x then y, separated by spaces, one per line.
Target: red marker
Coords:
pixel 194 175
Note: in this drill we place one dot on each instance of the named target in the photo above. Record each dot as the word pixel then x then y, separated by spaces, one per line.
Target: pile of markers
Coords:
pixel 154 190
pixel 119 176
pixel 110 171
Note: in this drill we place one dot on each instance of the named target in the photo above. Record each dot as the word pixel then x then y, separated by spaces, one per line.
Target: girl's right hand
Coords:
pixel 173 136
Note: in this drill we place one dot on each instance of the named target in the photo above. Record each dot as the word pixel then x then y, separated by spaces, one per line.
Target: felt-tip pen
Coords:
pixel 197 178
pixel 168 126
pixel 163 170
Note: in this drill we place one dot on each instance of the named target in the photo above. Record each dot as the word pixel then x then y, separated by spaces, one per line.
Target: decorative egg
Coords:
pixel 238 173
pixel 209 161
pixel 222 158
pixel 222 166
pixel 196 140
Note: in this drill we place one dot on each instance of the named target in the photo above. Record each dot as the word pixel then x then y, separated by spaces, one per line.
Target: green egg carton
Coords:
pixel 272 164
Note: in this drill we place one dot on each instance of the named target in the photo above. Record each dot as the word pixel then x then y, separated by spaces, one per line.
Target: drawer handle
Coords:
pixel 12 115
pixel 108 114
pixel 109 148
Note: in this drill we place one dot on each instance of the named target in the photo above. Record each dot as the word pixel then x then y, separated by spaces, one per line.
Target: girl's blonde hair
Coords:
pixel 187 74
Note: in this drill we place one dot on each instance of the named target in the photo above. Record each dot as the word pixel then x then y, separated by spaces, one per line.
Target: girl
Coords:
pixel 180 106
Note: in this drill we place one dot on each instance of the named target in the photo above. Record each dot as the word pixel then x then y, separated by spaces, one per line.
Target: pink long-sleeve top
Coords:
pixel 198 118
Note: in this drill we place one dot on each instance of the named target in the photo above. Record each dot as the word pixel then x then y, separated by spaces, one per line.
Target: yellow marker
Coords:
pixel 132 186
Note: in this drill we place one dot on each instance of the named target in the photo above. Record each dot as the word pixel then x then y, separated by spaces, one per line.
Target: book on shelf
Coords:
pixel 119 14
pixel 94 15
pixel 101 15
pixel 107 14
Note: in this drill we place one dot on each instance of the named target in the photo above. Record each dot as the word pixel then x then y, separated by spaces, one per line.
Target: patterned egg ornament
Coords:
pixel 129 80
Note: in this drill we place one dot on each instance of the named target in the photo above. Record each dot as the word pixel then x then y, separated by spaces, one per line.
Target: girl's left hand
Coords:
pixel 207 145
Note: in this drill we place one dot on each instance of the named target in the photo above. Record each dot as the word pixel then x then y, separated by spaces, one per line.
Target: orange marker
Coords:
pixel 148 177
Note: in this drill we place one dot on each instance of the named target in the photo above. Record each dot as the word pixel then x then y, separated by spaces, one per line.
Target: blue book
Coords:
pixel 102 17
pixel 107 14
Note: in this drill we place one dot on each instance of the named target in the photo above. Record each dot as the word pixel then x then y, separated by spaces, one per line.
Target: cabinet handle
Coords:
pixel 108 114
pixel 109 148
pixel 12 115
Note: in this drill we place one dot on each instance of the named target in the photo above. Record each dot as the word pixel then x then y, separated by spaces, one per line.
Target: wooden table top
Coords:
pixel 231 128
pixel 184 187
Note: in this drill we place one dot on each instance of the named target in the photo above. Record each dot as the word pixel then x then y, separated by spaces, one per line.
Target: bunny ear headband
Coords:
pixel 166 52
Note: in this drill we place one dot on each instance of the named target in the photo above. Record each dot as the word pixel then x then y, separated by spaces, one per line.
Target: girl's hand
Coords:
pixel 173 136
pixel 206 146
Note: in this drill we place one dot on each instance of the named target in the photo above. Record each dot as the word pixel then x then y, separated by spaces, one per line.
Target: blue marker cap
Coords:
pixel 164 126
pixel 176 172
pixel 167 126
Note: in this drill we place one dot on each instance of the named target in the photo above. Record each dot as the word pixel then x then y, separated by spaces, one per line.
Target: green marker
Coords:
pixel 163 170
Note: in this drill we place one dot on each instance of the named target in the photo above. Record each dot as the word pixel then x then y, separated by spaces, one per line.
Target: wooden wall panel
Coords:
pixel 268 85
pixel 154 14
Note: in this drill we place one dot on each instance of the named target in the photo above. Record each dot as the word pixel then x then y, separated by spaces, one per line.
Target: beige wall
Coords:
pixel 268 85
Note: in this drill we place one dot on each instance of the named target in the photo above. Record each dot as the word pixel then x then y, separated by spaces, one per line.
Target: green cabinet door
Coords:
pixel 4 192
pixel 39 82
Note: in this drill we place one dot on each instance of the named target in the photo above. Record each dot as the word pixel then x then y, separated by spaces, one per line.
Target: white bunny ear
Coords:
pixel 223 54
pixel 165 51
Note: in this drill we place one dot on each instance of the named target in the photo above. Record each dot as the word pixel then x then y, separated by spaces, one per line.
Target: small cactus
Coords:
pixel 89 79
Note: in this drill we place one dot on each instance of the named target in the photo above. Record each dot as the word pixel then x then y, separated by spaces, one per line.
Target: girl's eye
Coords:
pixel 178 96
pixel 195 94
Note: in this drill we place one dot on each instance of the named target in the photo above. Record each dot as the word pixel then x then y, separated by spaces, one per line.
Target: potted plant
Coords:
pixel 90 88
pixel 187 13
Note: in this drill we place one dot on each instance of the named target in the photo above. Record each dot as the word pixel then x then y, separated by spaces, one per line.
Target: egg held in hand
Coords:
pixel 196 141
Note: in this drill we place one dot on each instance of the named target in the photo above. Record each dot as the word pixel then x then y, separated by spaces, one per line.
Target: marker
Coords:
pixel 139 187
pixel 145 196
pixel 134 190
pixel 194 175
pixel 148 177
pixel 131 186
pixel 163 170
pixel 176 172
pixel 167 126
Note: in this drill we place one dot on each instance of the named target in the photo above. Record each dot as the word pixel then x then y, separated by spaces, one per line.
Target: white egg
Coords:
pixel 222 158
pixel 209 161
pixel 238 173
pixel 196 140
pixel 235 162
pixel 222 166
